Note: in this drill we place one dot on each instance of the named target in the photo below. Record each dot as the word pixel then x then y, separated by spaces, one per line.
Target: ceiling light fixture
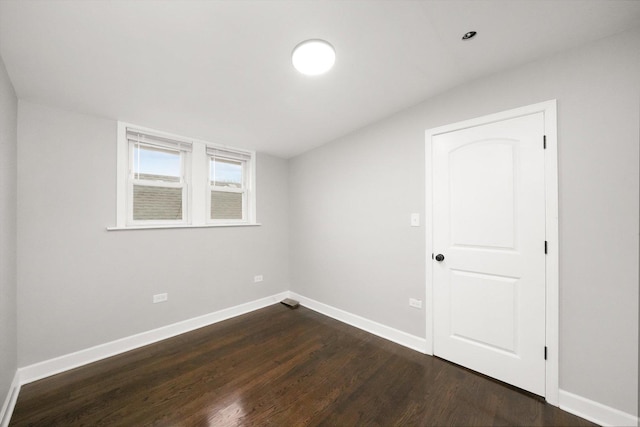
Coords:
pixel 313 57
pixel 469 35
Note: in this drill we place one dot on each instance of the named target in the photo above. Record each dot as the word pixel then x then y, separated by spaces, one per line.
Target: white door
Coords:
pixel 489 226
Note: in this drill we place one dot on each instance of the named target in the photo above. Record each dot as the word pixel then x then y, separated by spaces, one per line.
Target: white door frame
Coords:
pixel 548 108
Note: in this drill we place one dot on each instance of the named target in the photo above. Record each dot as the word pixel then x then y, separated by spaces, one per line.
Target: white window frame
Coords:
pixel 236 156
pixel 195 183
pixel 183 183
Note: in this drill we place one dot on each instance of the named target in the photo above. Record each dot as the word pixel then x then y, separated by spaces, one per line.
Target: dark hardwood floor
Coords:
pixel 279 367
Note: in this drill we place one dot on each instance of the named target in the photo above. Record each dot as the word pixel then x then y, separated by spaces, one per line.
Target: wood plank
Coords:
pixel 278 366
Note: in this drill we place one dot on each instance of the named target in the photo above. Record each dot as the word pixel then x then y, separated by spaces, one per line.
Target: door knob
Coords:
pixel 439 257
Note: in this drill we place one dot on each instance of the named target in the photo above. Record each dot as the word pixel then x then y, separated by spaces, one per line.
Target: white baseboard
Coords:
pixel 10 401
pixel 594 411
pixel 383 331
pixel 102 351
pixel 577 405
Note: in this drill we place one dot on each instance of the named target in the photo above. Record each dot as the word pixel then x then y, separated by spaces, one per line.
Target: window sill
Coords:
pixel 154 227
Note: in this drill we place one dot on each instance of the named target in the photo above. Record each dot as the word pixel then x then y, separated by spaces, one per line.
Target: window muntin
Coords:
pixel 166 180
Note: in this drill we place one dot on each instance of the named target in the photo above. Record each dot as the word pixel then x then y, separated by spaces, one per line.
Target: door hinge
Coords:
pixel 545 352
pixel 544 142
pixel 545 247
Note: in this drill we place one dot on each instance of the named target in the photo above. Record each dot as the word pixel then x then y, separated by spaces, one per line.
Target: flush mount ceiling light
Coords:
pixel 469 35
pixel 313 57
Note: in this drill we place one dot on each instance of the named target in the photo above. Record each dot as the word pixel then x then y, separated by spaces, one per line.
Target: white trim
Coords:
pixel 195 179
pixel 252 198
pixel 122 158
pixel 184 184
pixel 10 401
pixel 596 412
pixel 248 171
pixel 399 337
pixel 549 110
pixel 153 227
pixel 73 360
pixel 428 222
pixel 198 193
pixel 577 405
pixel 552 274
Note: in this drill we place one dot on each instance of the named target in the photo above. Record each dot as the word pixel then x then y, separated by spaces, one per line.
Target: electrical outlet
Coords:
pixel 257 279
pixel 160 298
pixel 416 303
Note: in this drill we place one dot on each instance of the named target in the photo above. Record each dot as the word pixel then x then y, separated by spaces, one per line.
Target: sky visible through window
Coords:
pixel 167 163
pixel 156 162
pixel 225 171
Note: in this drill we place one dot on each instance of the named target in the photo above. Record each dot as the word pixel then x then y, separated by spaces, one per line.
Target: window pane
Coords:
pixel 225 173
pixel 156 203
pixel 156 164
pixel 226 205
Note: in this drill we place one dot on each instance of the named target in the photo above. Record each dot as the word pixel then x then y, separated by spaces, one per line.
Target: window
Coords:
pixel 166 180
pixel 227 185
pixel 157 183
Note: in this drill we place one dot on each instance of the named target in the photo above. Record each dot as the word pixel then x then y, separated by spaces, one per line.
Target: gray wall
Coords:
pixel 343 225
pixel 352 247
pixel 8 160
pixel 80 285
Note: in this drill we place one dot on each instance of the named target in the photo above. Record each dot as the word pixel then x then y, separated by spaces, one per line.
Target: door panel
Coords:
pixel 492 324
pixel 489 223
pixel 474 168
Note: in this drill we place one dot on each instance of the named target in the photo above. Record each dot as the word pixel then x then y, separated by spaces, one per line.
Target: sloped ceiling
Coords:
pixel 221 70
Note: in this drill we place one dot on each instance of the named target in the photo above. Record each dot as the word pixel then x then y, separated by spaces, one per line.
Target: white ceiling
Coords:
pixel 221 70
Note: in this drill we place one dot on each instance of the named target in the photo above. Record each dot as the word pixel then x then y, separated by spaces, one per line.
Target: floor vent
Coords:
pixel 291 303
